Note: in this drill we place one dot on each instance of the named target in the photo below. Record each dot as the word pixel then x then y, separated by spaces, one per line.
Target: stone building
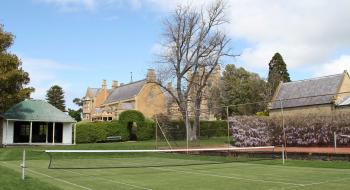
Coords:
pixel 322 96
pixel 103 104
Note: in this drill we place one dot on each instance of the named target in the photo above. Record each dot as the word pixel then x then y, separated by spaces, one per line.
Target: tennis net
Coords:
pixel 85 159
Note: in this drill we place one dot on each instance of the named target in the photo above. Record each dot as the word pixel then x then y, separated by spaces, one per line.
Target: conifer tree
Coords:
pixel 55 96
pixel 13 79
pixel 277 72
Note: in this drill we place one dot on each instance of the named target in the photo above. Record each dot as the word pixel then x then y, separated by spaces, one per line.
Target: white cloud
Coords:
pixel 72 5
pixel 45 73
pixel 306 33
pixel 335 67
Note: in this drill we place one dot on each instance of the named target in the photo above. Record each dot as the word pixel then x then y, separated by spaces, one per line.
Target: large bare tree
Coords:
pixel 193 46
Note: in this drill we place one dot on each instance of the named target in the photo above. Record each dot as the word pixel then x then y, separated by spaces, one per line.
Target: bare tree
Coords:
pixel 193 48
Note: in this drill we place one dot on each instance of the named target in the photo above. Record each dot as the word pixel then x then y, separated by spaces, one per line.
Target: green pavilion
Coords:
pixel 36 122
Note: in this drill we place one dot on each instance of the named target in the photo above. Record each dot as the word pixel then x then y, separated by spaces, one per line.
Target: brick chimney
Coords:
pixel 169 86
pixel 151 75
pixel 104 84
pixel 114 84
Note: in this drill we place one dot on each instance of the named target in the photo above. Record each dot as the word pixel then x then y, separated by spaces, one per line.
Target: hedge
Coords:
pixel 300 130
pixel 176 130
pixel 91 132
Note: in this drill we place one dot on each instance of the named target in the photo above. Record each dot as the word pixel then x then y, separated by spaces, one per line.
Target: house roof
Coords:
pixel 36 110
pixel 125 92
pixel 314 91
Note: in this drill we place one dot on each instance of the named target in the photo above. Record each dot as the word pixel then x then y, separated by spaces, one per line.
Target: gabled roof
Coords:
pixel 36 110
pixel 125 92
pixel 308 92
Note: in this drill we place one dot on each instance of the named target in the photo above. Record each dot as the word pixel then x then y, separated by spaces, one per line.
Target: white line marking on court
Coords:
pixel 57 179
pixel 232 177
pixel 109 180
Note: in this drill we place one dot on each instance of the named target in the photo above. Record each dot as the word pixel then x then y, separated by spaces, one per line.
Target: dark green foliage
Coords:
pixel 90 132
pixel 55 96
pixel 146 130
pixel 241 87
pixel 277 72
pixel 176 130
pixel 131 116
pixel 145 127
pixel 213 129
pixel 76 114
pixel 12 77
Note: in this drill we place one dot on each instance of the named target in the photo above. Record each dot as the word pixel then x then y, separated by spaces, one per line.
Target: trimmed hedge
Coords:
pixel 176 130
pixel 91 132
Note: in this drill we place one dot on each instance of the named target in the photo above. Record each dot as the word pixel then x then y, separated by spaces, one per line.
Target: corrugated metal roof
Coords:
pixel 36 110
pixel 125 92
pixel 308 92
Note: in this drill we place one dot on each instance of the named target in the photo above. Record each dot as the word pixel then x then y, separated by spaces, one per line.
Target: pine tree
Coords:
pixel 277 72
pixel 55 96
pixel 13 79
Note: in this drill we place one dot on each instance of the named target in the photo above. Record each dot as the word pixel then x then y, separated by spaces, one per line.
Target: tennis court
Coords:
pixel 174 171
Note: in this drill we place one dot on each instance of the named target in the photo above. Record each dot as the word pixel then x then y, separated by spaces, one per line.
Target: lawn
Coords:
pixel 165 171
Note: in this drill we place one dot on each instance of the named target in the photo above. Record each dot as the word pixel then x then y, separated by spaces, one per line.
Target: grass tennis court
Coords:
pixel 174 171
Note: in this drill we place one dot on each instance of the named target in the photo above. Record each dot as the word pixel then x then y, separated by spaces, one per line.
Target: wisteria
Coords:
pixel 300 131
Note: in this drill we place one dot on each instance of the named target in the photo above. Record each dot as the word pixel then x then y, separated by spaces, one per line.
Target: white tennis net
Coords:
pixel 156 158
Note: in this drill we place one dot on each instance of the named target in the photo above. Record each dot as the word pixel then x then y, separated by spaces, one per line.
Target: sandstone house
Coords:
pixel 105 104
pixel 322 96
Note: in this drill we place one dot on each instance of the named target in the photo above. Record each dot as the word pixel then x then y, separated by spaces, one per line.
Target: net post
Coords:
pixel 186 129
pixel 335 142
pixel 156 143
pixel 50 160
pixel 228 130
pixel 23 165
pixel 283 160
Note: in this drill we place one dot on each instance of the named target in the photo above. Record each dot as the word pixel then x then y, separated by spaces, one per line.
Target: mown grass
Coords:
pixel 11 180
pixel 165 170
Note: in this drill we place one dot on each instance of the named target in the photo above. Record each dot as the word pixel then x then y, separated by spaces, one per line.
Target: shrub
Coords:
pixel 300 130
pixel 213 128
pixel 131 116
pixel 145 127
pixel 146 130
pixel 176 129
pixel 91 132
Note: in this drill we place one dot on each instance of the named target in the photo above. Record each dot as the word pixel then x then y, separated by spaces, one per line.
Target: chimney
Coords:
pixel 114 84
pixel 104 85
pixel 151 75
pixel 169 86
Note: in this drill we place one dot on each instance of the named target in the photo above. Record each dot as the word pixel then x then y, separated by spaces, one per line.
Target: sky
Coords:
pixel 78 43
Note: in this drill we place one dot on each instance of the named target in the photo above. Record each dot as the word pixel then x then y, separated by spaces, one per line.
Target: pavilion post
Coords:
pixel 53 133
pixel 7 127
pixel 75 133
pixel 31 132
pixel 47 132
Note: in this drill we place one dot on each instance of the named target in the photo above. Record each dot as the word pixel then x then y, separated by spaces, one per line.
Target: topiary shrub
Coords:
pixel 131 116
pixel 145 127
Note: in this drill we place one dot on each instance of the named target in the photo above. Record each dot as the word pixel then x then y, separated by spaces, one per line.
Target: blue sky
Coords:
pixel 77 43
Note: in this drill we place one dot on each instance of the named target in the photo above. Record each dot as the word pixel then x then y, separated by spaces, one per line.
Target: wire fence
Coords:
pixel 321 121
